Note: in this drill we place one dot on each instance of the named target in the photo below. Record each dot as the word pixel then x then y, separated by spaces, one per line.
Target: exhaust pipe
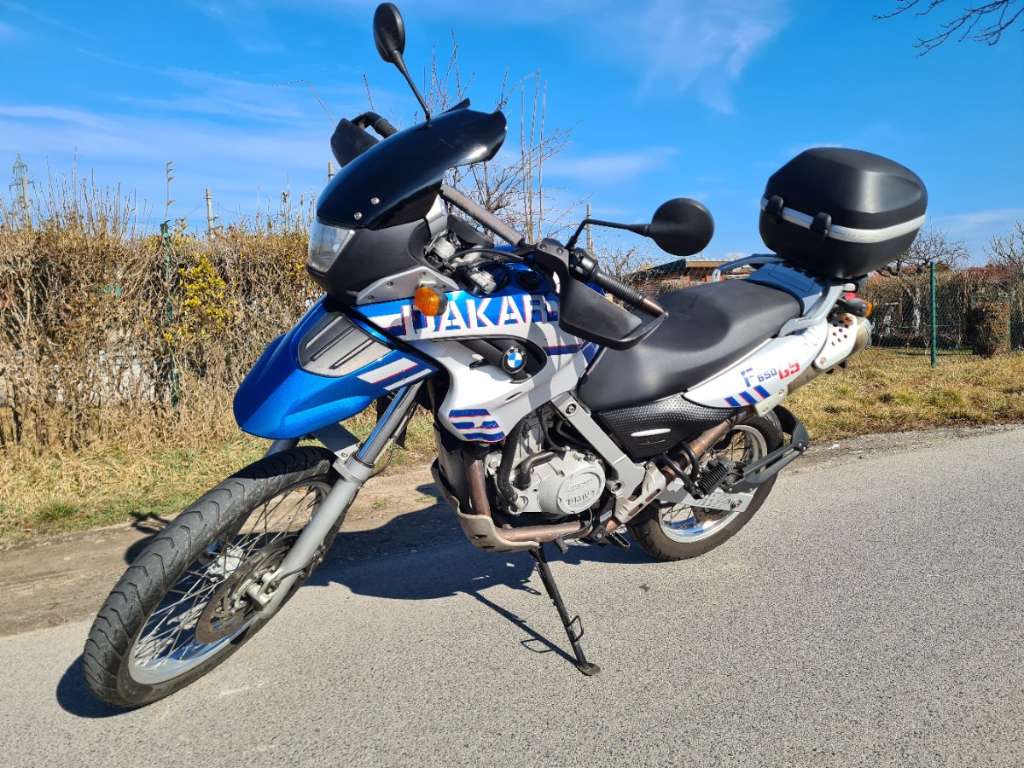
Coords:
pixel 478 524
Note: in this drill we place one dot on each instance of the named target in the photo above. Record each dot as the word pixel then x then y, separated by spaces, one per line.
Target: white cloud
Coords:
pixel 246 168
pixel 674 45
pixel 977 228
pixel 49 113
pixel 45 130
pixel 967 224
pixel 692 45
pixel 41 18
pixel 608 167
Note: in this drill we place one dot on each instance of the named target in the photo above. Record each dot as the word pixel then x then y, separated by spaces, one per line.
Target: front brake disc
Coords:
pixel 229 607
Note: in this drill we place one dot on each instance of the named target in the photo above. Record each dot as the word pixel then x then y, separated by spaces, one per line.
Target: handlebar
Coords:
pixel 586 268
pixel 481 214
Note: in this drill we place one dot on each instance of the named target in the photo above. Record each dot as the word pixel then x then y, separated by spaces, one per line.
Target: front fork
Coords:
pixel 353 471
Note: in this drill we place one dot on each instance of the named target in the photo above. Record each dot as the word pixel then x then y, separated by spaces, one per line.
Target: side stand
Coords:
pixel 573 627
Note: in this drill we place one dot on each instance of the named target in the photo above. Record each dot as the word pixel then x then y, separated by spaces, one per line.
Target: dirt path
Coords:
pixel 53 581
pixel 56 580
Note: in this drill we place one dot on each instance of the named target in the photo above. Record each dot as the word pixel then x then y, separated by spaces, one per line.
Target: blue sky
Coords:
pixel 661 98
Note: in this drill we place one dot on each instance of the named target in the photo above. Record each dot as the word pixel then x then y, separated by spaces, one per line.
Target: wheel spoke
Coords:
pixel 167 647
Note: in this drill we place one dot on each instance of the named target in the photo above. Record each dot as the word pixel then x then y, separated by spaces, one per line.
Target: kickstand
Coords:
pixel 573 627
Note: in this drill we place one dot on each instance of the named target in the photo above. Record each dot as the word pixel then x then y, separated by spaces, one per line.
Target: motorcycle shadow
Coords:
pixel 418 555
pixel 437 561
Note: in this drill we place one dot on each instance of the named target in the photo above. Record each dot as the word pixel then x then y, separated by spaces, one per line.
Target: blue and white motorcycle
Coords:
pixel 560 414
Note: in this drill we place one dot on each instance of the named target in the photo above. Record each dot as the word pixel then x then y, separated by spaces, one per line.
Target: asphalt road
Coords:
pixel 871 614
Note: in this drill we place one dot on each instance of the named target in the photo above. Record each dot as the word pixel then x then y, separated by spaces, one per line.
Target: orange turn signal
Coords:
pixel 429 300
pixel 870 309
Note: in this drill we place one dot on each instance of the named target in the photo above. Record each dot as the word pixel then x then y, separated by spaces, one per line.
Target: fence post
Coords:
pixel 935 323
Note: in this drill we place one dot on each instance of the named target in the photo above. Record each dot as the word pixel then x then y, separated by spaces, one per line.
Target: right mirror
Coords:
pixel 681 227
pixel 389 32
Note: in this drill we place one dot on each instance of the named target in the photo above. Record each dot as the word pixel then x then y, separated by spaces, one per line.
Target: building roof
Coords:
pixel 680 267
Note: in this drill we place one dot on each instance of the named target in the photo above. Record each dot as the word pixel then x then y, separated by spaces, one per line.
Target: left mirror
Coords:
pixel 389 32
pixel 681 227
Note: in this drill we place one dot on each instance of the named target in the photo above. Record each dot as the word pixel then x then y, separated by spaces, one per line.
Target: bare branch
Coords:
pixel 984 23
pixel 1008 251
pixel 930 247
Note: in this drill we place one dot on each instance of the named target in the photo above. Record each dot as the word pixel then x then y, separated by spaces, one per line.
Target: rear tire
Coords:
pixel 649 530
pixel 201 554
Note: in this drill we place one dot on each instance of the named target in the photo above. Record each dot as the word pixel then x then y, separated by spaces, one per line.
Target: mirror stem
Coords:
pixel 640 229
pixel 400 63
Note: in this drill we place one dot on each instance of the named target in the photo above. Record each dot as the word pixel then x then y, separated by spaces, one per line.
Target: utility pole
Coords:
pixel 210 218
pixel 590 235
pixel 168 202
pixel 19 184
pixel 286 211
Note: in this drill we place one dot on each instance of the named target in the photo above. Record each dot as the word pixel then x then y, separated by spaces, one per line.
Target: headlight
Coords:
pixel 325 243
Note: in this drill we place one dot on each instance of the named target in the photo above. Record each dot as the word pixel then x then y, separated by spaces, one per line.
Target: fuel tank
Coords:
pixel 327 368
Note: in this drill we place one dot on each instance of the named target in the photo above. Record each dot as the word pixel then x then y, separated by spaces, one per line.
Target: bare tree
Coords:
pixel 1008 251
pixel 511 186
pixel 983 23
pixel 930 247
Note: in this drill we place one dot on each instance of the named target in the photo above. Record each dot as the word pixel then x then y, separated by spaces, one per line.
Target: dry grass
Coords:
pixel 112 482
pixel 891 391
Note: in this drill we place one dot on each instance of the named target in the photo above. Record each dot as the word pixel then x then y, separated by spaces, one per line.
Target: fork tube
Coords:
pixel 398 409
pixel 354 472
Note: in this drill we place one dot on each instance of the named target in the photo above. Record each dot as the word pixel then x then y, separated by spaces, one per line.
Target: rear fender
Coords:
pixel 327 368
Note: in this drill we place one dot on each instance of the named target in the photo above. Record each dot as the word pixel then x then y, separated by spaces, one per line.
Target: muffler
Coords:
pixel 857 332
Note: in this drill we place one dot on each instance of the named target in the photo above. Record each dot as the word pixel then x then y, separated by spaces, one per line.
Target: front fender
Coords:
pixel 327 368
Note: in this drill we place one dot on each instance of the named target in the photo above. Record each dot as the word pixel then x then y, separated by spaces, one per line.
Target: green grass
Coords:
pixel 881 391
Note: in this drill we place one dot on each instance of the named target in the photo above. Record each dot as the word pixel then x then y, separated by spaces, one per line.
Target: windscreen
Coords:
pixel 367 190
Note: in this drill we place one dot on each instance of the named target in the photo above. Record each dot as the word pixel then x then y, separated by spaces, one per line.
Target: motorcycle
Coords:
pixel 567 406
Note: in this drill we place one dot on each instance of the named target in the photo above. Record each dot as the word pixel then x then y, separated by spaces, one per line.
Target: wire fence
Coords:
pixel 976 310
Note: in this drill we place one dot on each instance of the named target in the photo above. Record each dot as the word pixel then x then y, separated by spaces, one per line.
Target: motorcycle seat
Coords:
pixel 708 327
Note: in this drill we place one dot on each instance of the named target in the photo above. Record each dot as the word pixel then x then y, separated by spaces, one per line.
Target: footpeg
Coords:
pixel 618 540
pixel 711 477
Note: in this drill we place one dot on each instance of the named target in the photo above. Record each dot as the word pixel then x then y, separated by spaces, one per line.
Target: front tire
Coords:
pixel 658 528
pixel 180 608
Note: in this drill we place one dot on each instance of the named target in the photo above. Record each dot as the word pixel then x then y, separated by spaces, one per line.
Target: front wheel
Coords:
pixel 182 608
pixel 677 532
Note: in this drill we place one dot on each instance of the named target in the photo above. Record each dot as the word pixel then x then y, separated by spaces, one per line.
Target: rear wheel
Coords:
pixel 182 607
pixel 677 532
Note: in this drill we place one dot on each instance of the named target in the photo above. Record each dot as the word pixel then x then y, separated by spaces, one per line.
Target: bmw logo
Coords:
pixel 513 360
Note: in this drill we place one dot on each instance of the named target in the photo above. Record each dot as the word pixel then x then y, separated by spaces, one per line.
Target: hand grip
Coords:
pixel 586 269
pixel 627 294
pixel 378 123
